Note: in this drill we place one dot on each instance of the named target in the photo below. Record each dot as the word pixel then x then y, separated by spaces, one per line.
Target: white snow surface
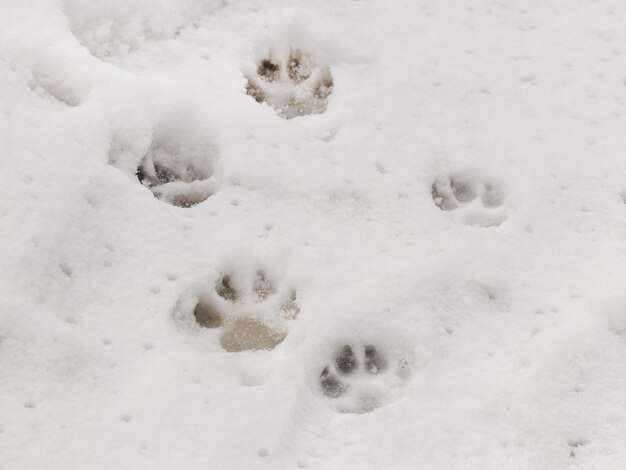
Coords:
pixel 502 326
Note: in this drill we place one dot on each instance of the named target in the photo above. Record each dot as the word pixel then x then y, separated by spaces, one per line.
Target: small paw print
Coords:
pixel 295 85
pixel 473 198
pixel 249 312
pixel 361 377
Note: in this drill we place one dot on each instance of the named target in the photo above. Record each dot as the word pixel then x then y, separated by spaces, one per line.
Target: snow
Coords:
pixel 406 235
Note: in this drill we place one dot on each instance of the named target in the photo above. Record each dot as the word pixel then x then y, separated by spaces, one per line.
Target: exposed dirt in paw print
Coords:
pixel 225 289
pixel 294 85
pixel 473 198
pixel 268 70
pixel 331 386
pixel 346 363
pixel 207 316
pixel 245 334
pixel 359 378
pixel 249 312
pixel 374 361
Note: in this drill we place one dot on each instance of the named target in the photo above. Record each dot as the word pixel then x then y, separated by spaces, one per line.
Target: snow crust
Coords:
pixel 438 186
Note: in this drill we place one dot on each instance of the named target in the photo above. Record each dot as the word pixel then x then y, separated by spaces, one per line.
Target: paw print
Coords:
pixel 294 85
pixel 473 198
pixel 178 165
pixel 249 312
pixel 184 186
pixel 175 176
pixel 360 377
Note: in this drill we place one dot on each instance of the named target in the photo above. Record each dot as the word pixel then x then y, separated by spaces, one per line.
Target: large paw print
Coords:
pixel 250 312
pixel 174 179
pixel 178 165
pixel 471 197
pixel 294 84
pixel 175 160
pixel 360 378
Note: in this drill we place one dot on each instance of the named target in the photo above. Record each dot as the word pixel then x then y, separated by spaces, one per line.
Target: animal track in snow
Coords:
pixel 176 170
pixel 251 312
pixel 293 83
pixel 360 377
pixel 471 198
pixel 175 178
pixel 175 161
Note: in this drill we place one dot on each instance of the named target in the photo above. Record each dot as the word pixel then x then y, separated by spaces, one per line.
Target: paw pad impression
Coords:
pixel 249 314
pixel 361 377
pixel 179 164
pixel 294 84
pixel 471 198
pixel 176 176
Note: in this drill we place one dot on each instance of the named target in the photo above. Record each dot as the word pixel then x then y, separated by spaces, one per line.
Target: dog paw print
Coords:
pixel 248 313
pixel 294 84
pixel 361 377
pixel 175 160
pixel 178 165
pixel 471 198
pixel 174 178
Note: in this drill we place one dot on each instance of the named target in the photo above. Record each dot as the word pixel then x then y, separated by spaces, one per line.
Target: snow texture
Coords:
pixel 331 235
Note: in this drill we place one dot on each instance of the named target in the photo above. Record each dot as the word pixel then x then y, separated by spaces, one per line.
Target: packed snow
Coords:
pixel 332 235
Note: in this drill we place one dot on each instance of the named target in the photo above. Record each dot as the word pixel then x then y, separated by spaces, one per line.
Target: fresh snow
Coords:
pixel 406 246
